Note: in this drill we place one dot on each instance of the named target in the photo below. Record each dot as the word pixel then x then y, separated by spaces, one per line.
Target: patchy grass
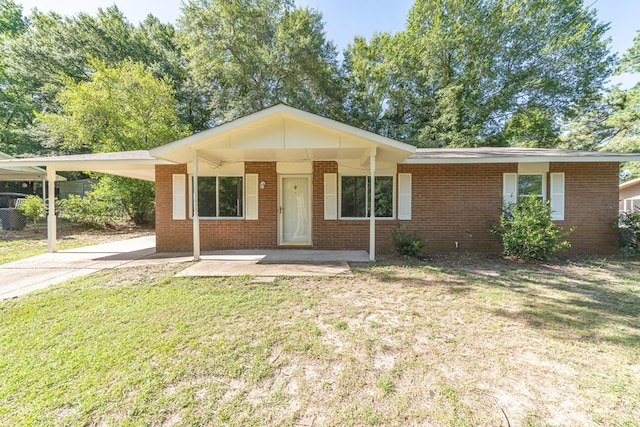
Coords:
pixel 20 244
pixel 472 343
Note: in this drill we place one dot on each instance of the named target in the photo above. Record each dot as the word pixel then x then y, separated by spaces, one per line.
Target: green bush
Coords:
pixel 527 231
pixel 410 244
pixel 96 210
pixel 629 229
pixel 33 207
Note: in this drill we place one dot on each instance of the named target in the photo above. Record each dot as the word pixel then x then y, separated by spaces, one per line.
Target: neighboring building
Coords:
pixel 629 195
pixel 284 178
pixel 78 187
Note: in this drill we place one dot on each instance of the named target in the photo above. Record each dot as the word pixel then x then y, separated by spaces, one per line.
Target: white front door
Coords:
pixel 295 210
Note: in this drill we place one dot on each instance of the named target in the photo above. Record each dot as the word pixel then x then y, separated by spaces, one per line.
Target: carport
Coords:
pixel 129 164
pixel 22 173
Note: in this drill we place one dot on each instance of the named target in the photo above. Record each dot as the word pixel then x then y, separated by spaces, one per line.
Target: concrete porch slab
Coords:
pixel 274 262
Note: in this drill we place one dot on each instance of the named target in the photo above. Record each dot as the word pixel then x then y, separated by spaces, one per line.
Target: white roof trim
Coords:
pixel 629 183
pixel 276 111
pixel 514 155
pixel 133 164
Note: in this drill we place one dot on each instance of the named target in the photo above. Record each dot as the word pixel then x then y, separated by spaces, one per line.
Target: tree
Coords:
pixel 16 105
pixel 120 108
pixel 50 51
pixel 247 55
pixel 462 70
pixel 614 123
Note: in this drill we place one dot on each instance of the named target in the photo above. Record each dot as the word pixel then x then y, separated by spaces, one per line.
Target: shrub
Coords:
pixel 410 244
pixel 527 231
pixel 629 229
pixel 33 207
pixel 95 210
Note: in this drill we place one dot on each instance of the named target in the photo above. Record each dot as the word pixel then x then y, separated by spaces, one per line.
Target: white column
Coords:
pixel 51 218
pixel 372 214
pixel 196 212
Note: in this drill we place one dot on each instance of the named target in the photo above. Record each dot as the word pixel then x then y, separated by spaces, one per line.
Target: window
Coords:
pixel 516 186
pixel 530 185
pixel 220 197
pixel 355 194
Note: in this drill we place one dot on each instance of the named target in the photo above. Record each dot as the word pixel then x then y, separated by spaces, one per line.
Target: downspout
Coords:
pixel 51 218
pixel 372 214
pixel 196 212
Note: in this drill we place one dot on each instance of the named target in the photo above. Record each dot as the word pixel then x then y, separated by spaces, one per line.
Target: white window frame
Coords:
pixel 368 193
pixel 217 177
pixel 543 177
pixel 514 198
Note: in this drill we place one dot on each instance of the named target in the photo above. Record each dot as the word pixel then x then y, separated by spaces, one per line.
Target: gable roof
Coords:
pixel 281 133
pixel 513 155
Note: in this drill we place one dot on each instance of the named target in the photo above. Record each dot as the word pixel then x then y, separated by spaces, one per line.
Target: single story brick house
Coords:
pixel 285 178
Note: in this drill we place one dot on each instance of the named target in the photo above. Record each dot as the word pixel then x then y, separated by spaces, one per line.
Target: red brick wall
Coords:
pixel 217 234
pixel 591 205
pixel 171 236
pixel 450 203
pixel 456 203
pixel 342 234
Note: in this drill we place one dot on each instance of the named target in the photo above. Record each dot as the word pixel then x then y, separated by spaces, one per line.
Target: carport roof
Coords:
pixel 22 173
pixel 132 164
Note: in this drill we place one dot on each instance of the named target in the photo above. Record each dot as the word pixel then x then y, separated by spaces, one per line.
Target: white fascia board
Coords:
pixel 533 159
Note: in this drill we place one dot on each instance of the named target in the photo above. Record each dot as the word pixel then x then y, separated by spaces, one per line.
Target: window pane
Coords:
pixel 230 196
pixel 530 185
pixel 384 196
pixel 207 196
pixel 353 196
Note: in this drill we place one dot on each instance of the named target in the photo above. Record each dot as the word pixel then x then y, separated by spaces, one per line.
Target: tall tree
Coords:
pixel 16 105
pixel 614 123
pixel 245 55
pixel 124 107
pixel 487 72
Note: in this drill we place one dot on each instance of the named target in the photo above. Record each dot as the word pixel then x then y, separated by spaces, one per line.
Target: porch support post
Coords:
pixel 196 212
pixel 51 218
pixel 372 213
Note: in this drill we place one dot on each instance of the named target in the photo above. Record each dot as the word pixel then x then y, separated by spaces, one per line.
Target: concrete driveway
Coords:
pixel 38 272
pixel 21 277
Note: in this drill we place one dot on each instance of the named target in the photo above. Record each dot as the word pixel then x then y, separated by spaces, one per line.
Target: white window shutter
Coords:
pixel 251 192
pixel 557 196
pixel 510 188
pixel 404 196
pixel 179 194
pixel 330 196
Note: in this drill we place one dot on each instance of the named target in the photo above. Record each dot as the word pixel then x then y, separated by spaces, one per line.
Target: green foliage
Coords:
pixel 33 207
pixel 120 108
pixel 527 231
pixel 629 229
pixel 407 243
pixel 98 209
pixel 462 69
pixel 245 56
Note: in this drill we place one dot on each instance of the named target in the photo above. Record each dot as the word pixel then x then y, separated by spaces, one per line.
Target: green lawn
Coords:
pixel 473 343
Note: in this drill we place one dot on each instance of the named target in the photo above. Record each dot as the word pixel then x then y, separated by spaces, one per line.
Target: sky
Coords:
pixel 345 19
